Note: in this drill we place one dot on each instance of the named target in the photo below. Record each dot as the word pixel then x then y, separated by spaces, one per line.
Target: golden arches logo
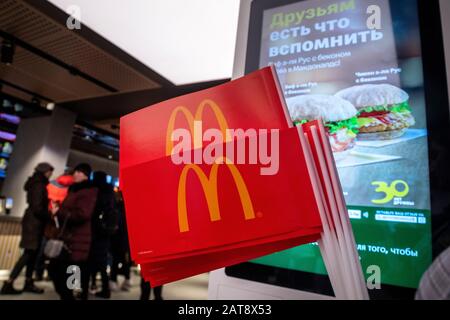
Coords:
pixel 209 184
pixel 222 122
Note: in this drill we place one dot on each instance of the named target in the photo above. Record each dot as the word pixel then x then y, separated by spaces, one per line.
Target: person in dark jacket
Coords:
pixel 120 249
pixel 74 216
pixel 33 224
pixel 104 224
pixel 146 290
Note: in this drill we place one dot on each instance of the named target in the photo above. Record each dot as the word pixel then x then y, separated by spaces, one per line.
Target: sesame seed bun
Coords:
pixel 370 95
pixel 315 106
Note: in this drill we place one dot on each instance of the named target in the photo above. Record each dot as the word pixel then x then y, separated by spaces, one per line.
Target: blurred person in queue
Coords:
pixel 33 224
pixel 74 216
pixel 57 191
pixel 120 249
pixel 146 290
pixel 104 225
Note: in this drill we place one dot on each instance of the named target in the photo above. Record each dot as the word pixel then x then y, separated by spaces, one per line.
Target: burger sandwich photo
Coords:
pixel 383 110
pixel 338 115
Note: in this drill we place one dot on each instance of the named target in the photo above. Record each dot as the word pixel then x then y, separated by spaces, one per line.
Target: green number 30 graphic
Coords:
pixel 391 191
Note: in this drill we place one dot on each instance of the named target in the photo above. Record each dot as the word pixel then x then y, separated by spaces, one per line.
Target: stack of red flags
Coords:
pixel 221 176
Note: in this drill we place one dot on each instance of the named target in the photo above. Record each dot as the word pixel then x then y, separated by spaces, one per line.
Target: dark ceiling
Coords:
pixel 77 69
pixel 115 105
pixel 64 65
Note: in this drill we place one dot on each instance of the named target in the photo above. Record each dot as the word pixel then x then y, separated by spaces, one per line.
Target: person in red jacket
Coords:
pixel 74 215
pixel 57 191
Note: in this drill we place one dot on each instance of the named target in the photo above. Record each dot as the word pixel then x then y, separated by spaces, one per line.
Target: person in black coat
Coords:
pixel 33 224
pixel 104 224
pixel 120 249
pixel 146 289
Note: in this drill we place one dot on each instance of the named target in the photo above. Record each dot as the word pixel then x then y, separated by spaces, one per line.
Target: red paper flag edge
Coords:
pixel 189 267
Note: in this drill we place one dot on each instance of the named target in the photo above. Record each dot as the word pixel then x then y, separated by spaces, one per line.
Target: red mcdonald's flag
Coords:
pixel 215 178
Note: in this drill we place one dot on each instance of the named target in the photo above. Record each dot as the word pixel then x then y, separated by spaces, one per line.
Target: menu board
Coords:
pixel 357 65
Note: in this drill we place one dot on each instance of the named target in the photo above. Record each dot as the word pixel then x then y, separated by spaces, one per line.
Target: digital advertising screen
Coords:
pixel 357 65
